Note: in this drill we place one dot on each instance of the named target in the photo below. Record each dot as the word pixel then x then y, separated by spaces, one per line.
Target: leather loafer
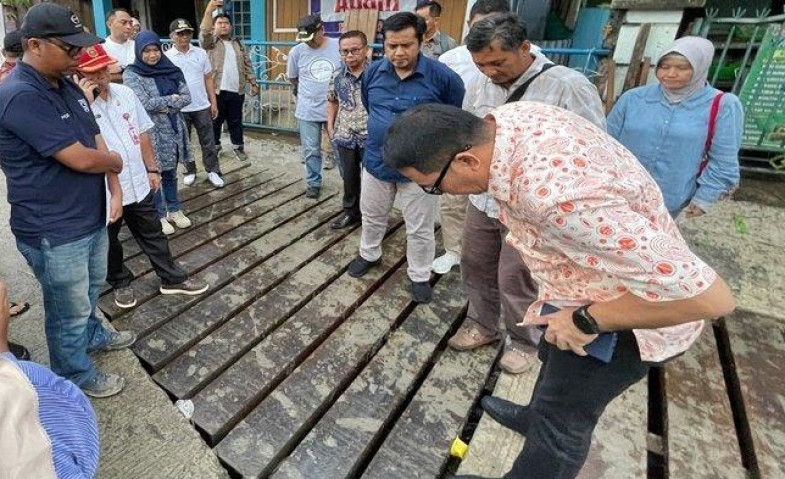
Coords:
pixel 506 413
pixel 344 221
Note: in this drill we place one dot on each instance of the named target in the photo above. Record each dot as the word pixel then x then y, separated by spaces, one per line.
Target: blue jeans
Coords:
pixel 71 276
pixel 166 197
pixel 311 141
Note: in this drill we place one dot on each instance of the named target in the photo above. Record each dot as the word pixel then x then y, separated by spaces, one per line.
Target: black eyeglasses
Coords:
pixel 353 51
pixel 70 50
pixel 435 188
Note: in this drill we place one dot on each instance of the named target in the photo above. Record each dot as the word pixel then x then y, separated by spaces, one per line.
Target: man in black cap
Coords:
pixel 56 167
pixel 310 66
pixel 198 71
pixel 12 51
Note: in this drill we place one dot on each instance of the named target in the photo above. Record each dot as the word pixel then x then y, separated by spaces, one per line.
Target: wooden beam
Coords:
pixel 634 70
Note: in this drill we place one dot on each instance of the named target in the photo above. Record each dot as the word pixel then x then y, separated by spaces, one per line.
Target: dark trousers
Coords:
pixel 351 163
pixel 569 397
pixel 230 110
pixel 203 122
pixel 496 280
pixel 142 221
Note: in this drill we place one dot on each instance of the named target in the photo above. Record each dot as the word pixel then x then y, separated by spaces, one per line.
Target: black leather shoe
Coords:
pixel 506 413
pixel 360 266
pixel 421 292
pixel 312 192
pixel 345 221
pixel 20 352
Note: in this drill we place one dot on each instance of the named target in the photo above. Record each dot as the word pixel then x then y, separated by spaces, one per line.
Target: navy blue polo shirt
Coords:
pixel 48 199
pixel 386 96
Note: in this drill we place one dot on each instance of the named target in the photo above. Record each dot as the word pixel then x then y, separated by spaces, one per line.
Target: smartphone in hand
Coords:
pixel 601 348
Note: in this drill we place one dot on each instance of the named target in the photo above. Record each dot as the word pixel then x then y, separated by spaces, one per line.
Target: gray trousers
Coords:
pixel 496 280
pixel 203 123
pixel 419 212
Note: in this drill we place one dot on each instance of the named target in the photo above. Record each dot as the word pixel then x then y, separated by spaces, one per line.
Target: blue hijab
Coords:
pixel 166 74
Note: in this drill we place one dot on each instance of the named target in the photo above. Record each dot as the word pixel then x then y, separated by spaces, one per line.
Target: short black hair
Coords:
pixel 403 20
pixel 353 34
pixel 115 11
pixel 12 44
pixel 486 7
pixel 427 136
pixel 434 8
pixel 506 28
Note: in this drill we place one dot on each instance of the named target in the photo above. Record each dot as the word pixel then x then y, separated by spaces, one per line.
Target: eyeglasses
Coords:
pixel 435 188
pixel 70 50
pixel 353 51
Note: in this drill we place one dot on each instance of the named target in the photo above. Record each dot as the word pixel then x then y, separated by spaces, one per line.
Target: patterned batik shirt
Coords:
pixel 589 221
pixel 351 124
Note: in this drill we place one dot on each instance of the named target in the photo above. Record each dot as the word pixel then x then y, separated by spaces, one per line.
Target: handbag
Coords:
pixel 715 109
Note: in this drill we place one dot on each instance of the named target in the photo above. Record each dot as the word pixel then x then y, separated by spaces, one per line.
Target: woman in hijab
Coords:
pixel 161 87
pixel 666 126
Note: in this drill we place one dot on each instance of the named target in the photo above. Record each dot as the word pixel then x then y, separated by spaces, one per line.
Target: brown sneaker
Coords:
pixel 470 337
pixel 516 360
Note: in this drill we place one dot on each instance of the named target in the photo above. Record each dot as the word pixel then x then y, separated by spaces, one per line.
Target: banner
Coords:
pixel 334 10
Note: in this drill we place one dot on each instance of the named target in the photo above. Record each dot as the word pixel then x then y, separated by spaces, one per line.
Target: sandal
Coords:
pixel 25 306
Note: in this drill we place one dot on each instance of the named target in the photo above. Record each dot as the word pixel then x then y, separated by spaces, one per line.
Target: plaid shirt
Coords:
pixel 351 124
pixel 559 86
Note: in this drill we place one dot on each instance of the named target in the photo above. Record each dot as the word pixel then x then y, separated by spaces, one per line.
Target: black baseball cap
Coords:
pixel 307 27
pixel 13 42
pixel 49 20
pixel 180 25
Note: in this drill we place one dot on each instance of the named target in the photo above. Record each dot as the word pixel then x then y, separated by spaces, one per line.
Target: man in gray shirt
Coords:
pixel 309 67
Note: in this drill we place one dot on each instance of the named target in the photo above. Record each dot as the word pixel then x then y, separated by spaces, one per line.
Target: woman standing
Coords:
pixel 666 127
pixel 161 87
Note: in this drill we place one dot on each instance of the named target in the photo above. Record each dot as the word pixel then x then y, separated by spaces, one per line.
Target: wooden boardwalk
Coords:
pixel 294 368
pixel 297 370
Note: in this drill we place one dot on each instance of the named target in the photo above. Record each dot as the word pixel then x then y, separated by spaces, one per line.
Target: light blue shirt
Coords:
pixel 669 141
pixel 68 419
pixel 313 67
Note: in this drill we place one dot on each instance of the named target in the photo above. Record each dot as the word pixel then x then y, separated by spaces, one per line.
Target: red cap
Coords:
pixel 94 58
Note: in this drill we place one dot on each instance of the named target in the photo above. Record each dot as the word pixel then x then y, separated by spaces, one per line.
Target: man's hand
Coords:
pixel 155 180
pixel 118 161
pixel 214 5
pixel 692 211
pixel 88 88
pixel 254 89
pixel 115 208
pixel 563 333
pixel 330 131
pixel 213 110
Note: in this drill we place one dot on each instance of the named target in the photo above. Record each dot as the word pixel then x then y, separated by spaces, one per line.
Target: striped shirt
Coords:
pixel 68 419
pixel 559 86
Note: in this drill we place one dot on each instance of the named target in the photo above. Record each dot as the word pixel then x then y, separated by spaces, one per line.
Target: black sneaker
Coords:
pixel 345 221
pixel 124 297
pixel 20 352
pixel 312 192
pixel 190 287
pixel 240 154
pixel 360 266
pixel 421 292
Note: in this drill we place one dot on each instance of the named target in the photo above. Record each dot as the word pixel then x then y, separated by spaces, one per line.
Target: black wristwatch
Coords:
pixel 584 321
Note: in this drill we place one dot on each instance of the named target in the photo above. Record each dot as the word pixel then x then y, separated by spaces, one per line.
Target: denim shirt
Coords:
pixel 669 142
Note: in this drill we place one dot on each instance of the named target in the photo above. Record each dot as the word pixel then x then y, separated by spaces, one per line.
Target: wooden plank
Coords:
pixel 250 329
pixel 160 309
pixel 347 436
pixel 419 444
pixel 231 174
pixel 701 436
pixel 207 216
pixel 633 73
pixel 758 346
pixel 209 249
pixel 271 430
pixel 185 330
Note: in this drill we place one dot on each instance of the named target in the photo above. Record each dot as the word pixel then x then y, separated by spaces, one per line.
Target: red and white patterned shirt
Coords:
pixel 589 221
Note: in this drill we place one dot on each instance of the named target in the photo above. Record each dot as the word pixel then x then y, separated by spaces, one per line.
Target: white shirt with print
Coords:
pixel 195 65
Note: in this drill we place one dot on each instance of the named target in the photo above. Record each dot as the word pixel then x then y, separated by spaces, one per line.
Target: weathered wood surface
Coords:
pixel 271 431
pixel 248 331
pixel 758 345
pixel 419 444
pixel 634 71
pixel 168 341
pixel 162 308
pixel 702 439
pixel 210 249
pixel 340 443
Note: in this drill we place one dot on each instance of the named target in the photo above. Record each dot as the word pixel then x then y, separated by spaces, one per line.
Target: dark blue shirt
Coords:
pixel 48 199
pixel 386 96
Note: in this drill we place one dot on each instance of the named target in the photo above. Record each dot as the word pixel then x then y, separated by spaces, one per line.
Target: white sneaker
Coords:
pixel 189 179
pixel 166 227
pixel 215 179
pixel 443 264
pixel 180 220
